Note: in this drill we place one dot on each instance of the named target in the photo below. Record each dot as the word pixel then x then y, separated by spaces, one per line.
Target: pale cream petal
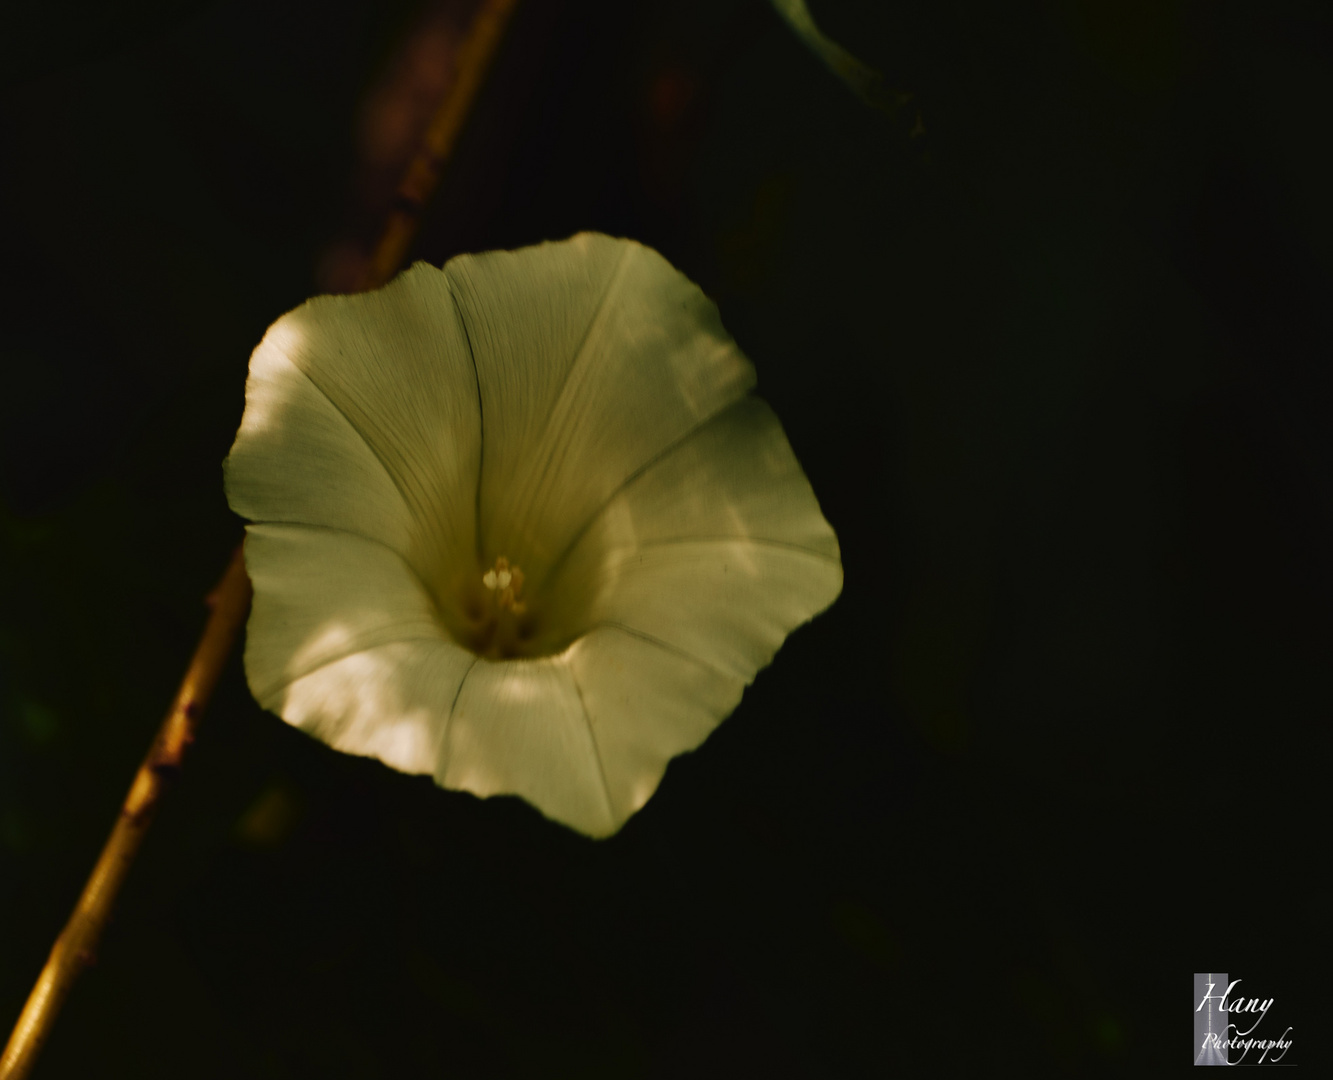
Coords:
pixel 297 458
pixel 390 702
pixel 698 570
pixel 594 357
pixel 519 728
pixel 397 364
pixel 728 603
pixel 646 703
pixel 736 477
pixel 321 595
pixel 720 549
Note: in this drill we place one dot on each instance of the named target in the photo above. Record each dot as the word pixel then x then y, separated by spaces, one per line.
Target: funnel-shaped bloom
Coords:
pixel 518 524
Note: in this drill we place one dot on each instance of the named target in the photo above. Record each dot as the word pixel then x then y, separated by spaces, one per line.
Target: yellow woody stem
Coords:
pixel 77 944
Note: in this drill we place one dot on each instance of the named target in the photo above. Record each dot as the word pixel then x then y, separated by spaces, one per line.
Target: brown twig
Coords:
pixel 423 174
pixel 75 948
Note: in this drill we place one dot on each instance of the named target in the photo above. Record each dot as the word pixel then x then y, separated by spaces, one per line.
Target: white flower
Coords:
pixel 519 524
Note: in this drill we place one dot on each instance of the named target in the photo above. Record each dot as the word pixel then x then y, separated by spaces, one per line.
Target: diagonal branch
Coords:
pixel 230 600
pixel 77 944
pixel 423 174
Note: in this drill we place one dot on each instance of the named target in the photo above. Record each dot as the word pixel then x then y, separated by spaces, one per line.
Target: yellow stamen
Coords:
pixel 507 582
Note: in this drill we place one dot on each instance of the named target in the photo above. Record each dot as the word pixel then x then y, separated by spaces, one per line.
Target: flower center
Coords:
pixel 506 582
pixel 498 610
pixel 494 619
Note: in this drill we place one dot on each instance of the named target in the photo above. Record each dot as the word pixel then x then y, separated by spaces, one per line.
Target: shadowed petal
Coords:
pixel 729 603
pixel 321 595
pixel 647 703
pixel 594 356
pixel 389 702
pixel 396 363
pixel 719 549
pixel 520 728
pixel 297 458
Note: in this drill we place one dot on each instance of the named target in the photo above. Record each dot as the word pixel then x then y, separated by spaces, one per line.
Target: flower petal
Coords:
pixel 700 568
pixel 519 727
pixel 646 704
pixel 297 458
pixel 396 364
pixel 320 595
pixel 594 356
pixel 719 550
pixel 729 603
pixel 390 702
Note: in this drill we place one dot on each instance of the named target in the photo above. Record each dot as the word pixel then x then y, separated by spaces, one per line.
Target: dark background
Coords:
pixel 1053 369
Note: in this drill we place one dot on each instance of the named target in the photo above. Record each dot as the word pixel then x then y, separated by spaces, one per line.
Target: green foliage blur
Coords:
pixel 1052 365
